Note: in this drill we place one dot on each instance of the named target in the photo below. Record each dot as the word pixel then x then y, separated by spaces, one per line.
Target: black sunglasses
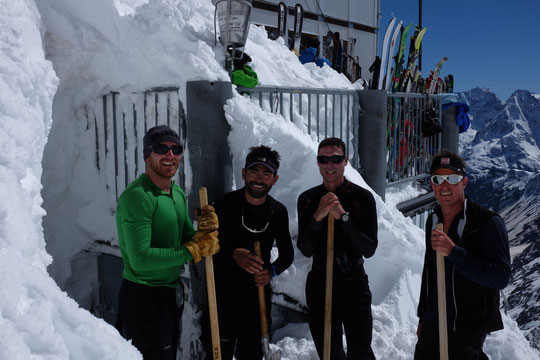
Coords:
pixel 163 149
pixel 334 159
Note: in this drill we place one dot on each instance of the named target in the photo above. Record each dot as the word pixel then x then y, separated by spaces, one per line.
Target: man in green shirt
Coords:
pixel 156 238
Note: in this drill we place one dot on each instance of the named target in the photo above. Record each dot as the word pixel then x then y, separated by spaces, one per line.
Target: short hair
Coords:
pixel 449 160
pixel 263 155
pixel 333 141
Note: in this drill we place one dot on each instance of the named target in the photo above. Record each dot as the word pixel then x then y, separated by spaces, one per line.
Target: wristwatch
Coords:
pixel 345 217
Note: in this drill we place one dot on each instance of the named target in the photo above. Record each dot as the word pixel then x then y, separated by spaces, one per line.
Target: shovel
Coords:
pixel 264 324
pixel 328 289
pixel 441 300
pixel 211 287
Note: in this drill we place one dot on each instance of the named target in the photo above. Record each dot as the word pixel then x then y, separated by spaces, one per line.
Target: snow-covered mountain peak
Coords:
pixel 510 133
pixel 504 170
pixel 487 104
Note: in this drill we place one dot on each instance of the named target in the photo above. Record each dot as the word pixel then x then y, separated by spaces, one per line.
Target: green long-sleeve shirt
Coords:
pixel 152 227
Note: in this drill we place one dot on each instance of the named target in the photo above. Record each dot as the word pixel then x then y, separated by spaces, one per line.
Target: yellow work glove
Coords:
pixel 193 248
pixel 207 219
pixel 207 242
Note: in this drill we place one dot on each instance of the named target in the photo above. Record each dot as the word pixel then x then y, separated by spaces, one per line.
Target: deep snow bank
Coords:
pixel 37 320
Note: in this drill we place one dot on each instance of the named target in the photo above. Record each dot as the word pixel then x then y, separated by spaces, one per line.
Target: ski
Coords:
pixel 298 20
pixel 375 68
pixel 414 52
pixel 384 51
pixel 412 84
pixel 353 66
pixel 388 77
pixel 400 58
pixel 282 23
pixel 450 83
pixel 435 78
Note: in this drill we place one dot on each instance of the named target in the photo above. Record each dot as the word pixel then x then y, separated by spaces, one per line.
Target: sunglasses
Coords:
pixel 163 149
pixel 335 159
pixel 259 214
pixel 452 179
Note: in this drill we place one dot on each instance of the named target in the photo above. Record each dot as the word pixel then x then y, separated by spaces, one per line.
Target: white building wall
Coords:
pixel 357 19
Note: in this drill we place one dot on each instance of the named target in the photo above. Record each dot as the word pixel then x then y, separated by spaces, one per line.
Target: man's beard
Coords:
pixel 258 193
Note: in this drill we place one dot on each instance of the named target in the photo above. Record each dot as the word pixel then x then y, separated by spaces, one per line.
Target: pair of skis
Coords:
pixel 389 41
pixel 283 31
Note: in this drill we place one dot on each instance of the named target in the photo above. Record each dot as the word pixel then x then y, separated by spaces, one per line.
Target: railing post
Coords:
pixel 207 130
pixel 209 156
pixel 450 134
pixel 372 139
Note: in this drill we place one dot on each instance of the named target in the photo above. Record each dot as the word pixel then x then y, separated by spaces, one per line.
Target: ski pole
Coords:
pixel 328 295
pixel 441 296
pixel 211 287
pixel 265 339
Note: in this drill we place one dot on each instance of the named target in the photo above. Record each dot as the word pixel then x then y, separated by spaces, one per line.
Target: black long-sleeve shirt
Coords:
pixel 356 238
pixel 475 270
pixel 235 216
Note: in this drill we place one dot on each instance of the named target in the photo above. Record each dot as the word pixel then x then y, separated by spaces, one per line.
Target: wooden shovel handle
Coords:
pixel 441 303
pixel 211 287
pixel 328 288
pixel 262 299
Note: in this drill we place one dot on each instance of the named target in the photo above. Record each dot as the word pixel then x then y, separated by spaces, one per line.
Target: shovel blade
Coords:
pixel 268 355
pixel 275 356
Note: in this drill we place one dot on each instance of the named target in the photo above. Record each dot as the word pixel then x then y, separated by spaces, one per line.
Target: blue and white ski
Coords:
pixel 384 51
pixel 395 34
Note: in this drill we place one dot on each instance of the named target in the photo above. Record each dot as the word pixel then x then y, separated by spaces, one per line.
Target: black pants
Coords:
pixel 149 316
pixel 239 323
pixel 351 310
pixel 464 345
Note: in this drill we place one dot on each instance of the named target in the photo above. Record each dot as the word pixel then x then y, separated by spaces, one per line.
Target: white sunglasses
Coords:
pixel 452 179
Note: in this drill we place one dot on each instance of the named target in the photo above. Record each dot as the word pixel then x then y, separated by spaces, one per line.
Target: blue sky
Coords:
pixel 491 44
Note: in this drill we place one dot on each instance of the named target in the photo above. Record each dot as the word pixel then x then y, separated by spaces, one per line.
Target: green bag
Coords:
pixel 245 77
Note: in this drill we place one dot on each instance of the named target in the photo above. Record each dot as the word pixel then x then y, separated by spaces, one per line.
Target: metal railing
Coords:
pixel 323 112
pixel 120 121
pixel 409 152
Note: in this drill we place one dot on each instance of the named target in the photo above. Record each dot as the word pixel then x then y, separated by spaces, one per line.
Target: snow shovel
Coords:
pixel 211 287
pixel 328 294
pixel 264 323
pixel 441 297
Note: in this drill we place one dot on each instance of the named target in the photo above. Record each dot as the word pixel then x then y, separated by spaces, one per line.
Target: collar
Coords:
pixel 144 178
pixel 341 188
pixel 461 217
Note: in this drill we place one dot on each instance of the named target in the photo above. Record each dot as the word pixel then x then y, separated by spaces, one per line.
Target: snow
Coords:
pixel 130 46
pixel 516 250
pixel 37 319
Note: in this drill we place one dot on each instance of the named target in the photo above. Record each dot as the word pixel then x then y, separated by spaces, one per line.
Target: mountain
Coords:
pixel 503 156
pixel 524 295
